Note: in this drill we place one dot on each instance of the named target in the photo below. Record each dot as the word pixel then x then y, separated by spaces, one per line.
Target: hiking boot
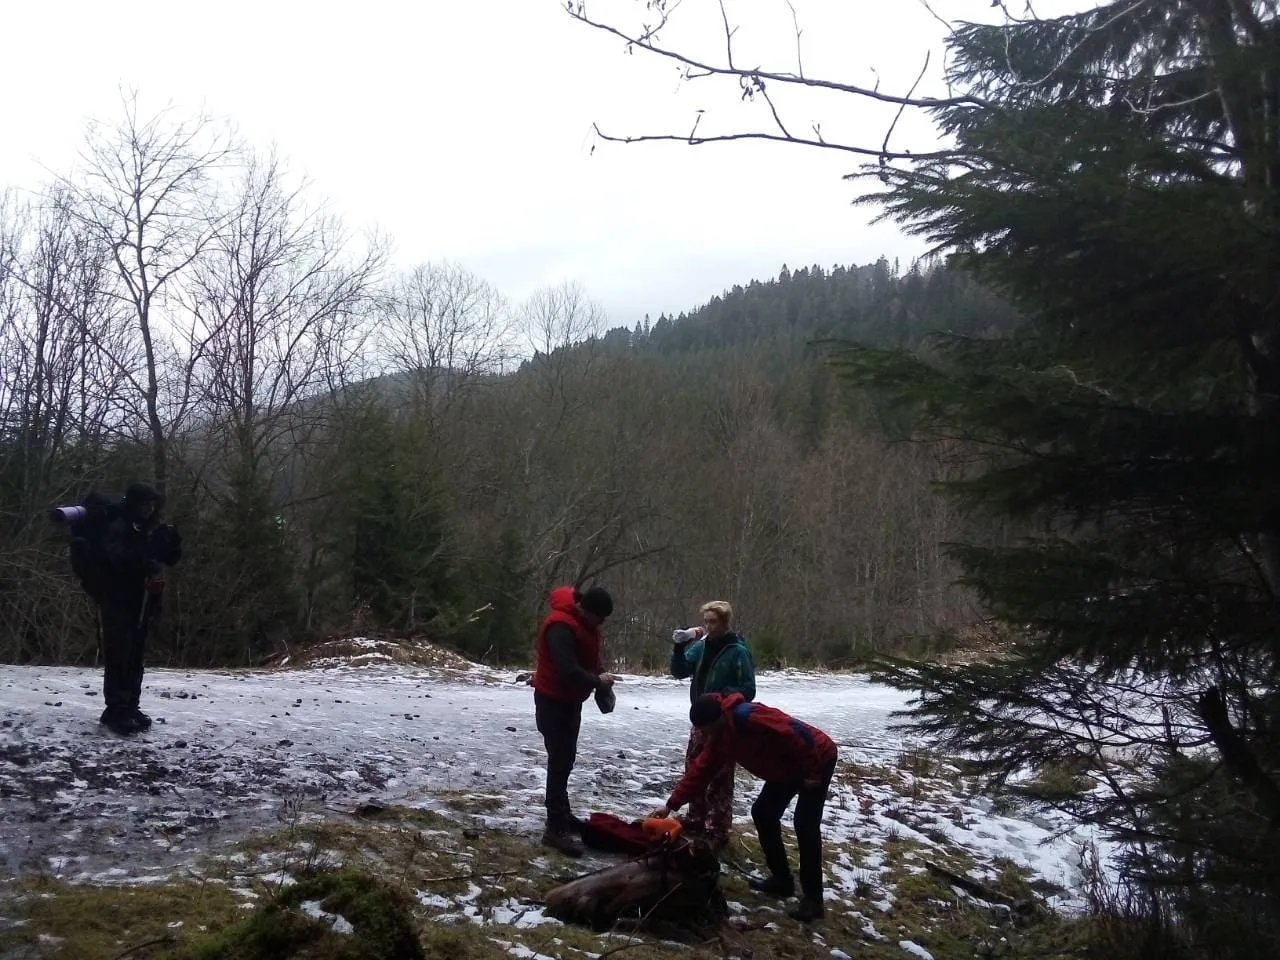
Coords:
pixel 119 722
pixel 773 886
pixel 142 721
pixel 808 909
pixel 562 841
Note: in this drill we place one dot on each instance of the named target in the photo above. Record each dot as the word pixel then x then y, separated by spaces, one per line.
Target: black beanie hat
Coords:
pixel 141 493
pixel 596 601
pixel 137 495
pixel 706 710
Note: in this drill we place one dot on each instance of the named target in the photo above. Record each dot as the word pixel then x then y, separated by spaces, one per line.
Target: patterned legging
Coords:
pixel 713 811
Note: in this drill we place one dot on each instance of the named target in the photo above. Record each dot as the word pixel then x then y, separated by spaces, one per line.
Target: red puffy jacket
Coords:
pixel 768 743
pixel 546 679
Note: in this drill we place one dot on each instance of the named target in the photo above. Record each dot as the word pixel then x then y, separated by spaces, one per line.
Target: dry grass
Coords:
pixel 357 651
pixel 428 870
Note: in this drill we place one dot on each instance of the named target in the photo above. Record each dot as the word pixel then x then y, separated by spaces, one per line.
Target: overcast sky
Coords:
pixel 461 128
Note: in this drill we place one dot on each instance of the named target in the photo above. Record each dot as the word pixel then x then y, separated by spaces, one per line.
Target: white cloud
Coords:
pixel 462 128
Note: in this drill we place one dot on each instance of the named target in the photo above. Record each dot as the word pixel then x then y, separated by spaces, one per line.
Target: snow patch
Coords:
pixel 339 923
pixel 522 916
pixel 915 949
pixel 521 951
pixel 869 929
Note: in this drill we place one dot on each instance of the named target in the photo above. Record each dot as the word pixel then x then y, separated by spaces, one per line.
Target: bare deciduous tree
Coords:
pixel 558 317
pixel 72 393
pixel 582 504
pixel 643 25
pixel 278 300
pixel 444 330
pixel 59 403
pixel 144 191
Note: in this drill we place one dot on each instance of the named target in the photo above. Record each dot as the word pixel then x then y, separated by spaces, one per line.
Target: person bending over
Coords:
pixel 793 759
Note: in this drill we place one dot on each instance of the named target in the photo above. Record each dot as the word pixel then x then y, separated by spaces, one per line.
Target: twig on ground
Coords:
pixel 167 938
pixel 970 885
pixel 470 876
pixel 613 951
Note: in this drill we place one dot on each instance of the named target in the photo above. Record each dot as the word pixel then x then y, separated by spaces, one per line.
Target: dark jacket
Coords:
pixel 770 744
pixel 716 666
pixel 568 653
pixel 133 551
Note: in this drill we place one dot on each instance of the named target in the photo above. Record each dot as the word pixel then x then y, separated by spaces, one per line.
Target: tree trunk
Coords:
pixel 678 887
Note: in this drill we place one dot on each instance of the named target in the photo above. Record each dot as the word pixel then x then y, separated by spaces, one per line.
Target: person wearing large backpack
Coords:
pixel 715 659
pixel 119 552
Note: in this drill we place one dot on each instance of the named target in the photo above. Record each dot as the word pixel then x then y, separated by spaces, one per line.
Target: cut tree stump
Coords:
pixel 676 886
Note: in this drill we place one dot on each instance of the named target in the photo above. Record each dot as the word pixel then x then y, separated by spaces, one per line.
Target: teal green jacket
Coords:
pixel 730 668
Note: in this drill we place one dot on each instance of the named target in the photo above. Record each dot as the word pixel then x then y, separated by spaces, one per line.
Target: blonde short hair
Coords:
pixel 720 608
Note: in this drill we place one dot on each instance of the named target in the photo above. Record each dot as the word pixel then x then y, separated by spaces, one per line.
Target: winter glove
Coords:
pixel 606 699
pixel 166 543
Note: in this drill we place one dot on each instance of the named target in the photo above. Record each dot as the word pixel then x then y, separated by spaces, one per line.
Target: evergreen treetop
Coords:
pixel 1115 174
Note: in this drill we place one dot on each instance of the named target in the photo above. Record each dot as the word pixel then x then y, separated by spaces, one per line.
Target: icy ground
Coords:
pixel 231 750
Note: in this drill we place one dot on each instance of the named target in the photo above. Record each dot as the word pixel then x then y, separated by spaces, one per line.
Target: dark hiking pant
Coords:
pixel 767 813
pixel 558 722
pixel 124 642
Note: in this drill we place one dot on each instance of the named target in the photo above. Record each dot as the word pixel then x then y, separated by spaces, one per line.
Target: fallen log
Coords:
pixel 978 889
pixel 677 885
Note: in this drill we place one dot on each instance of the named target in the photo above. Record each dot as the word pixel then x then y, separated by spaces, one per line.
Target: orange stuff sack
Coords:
pixel 659 830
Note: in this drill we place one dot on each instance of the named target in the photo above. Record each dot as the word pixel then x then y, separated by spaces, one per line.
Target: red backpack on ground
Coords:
pixel 610 834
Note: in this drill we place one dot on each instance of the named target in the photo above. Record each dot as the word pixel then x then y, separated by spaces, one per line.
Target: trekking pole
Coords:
pixel 142 614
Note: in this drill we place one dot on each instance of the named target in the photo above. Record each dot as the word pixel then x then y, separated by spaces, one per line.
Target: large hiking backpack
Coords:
pixel 88 562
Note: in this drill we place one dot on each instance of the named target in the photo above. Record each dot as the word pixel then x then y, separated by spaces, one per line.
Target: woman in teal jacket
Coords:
pixel 717 661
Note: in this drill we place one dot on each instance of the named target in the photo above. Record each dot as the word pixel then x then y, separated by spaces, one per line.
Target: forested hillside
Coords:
pixel 351 448
pixel 1114 171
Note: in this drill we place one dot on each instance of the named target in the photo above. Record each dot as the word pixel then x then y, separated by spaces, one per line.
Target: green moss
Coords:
pixel 81 922
pixel 390 856
pixel 465 802
pixel 408 816
pixel 380 916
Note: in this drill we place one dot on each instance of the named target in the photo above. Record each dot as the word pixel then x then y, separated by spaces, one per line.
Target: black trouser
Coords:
pixel 558 722
pixel 124 641
pixel 767 813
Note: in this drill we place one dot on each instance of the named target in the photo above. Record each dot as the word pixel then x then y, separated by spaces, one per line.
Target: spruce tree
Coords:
pixel 1116 175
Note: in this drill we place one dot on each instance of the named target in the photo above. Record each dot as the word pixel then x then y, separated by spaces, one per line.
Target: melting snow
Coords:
pixel 915 949
pixel 236 752
pixel 340 924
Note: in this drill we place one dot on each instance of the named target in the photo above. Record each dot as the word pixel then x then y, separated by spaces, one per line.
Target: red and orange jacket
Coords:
pixel 547 679
pixel 770 744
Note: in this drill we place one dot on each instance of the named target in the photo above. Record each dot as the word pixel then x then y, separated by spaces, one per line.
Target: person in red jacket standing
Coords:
pixel 792 758
pixel 569 670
